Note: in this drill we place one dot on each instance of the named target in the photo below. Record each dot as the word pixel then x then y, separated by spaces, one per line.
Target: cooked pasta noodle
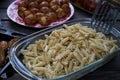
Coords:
pixel 66 50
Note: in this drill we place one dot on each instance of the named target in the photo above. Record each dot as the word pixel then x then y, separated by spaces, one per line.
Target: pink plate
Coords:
pixel 12 12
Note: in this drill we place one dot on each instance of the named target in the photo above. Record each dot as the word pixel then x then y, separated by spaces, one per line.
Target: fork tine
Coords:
pixel 114 19
pixel 101 23
pixel 110 20
pixel 96 14
pixel 103 14
pixel 105 23
pixel 99 15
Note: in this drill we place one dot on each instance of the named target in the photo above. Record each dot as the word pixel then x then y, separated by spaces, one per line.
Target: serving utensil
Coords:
pixel 105 15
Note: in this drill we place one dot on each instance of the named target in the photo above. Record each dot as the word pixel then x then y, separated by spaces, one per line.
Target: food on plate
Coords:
pixel 66 7
pixel 44 3
pixel 34 10
pixel 44 10
pixel 30 11
pixel 55 7
pixel 4 46
pixel 87 5
pixel 66 50
pixel 12 41
pixel 60 13
pixel 52 16
pixel 30 19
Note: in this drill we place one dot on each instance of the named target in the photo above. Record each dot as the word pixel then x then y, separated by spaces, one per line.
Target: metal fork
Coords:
pixel 105 16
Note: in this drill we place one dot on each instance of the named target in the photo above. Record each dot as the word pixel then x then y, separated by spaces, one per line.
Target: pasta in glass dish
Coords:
pixel 67 51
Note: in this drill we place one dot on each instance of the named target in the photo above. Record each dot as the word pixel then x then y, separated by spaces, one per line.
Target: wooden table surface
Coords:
pixel 109 71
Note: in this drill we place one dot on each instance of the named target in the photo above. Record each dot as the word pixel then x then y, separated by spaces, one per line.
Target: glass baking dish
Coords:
pixel 16 57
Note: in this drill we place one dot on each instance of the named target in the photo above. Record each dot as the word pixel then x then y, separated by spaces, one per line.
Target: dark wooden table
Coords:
pixel 110 71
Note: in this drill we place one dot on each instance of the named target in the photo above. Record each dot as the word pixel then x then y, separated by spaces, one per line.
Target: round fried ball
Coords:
pixel 20 11
pixel 51 16
pixel 44 3
pixel 34 10
pixel 44 9
pixel 44 20
pixel 55 7
pixel 30 19
pixel 60 13
pixel 66 8
pixel 22 4
pixel 26 13
pixel 53 2
pixel 33 5
pixel 63 2
pixel 38 15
